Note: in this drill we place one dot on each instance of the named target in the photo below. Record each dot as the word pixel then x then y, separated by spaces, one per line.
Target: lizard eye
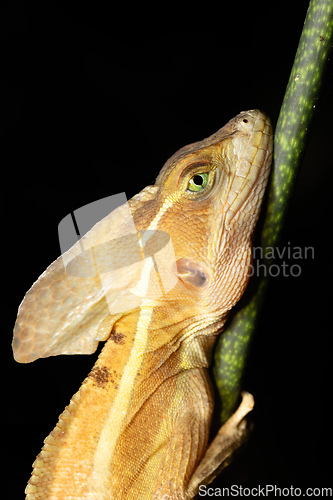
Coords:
pixel 198 182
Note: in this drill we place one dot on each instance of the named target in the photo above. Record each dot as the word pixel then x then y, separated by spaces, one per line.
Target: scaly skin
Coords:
pixel 138 427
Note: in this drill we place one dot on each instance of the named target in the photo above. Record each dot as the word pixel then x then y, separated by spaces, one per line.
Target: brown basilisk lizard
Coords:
pixel 138 428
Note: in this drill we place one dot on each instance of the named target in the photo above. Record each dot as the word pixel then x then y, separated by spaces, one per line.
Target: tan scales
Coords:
pixel 138 428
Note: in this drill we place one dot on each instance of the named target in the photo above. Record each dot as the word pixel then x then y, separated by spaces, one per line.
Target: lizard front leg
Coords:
pixel 219 453
pixel 187 426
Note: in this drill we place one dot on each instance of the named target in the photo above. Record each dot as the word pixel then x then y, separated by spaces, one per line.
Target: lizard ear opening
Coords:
pixel 191 272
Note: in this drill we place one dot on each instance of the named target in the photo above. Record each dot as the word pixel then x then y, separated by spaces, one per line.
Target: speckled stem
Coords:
pixel 290 139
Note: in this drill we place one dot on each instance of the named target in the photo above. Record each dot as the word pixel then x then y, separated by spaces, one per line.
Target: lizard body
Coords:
pixel 138 428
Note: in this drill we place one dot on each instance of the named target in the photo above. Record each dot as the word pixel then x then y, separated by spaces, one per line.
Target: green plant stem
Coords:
pixel 291 134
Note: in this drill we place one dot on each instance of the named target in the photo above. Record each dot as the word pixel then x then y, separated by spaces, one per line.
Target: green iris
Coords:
pixel 198 182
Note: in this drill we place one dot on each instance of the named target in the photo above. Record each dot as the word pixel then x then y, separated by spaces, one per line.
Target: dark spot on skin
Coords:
pixel 100 375
pixel 118 338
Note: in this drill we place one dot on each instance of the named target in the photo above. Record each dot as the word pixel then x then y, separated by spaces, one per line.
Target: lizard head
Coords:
pixel 208 201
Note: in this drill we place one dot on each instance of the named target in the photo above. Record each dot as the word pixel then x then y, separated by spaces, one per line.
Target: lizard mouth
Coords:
pixel 253 153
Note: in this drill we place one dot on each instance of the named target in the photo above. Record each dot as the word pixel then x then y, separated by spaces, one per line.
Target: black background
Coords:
pixel 95 101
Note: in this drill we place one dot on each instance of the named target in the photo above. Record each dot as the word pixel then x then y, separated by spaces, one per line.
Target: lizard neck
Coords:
pixel 138 369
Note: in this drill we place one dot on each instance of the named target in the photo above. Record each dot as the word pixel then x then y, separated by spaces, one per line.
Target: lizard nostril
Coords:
pixel 245 120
